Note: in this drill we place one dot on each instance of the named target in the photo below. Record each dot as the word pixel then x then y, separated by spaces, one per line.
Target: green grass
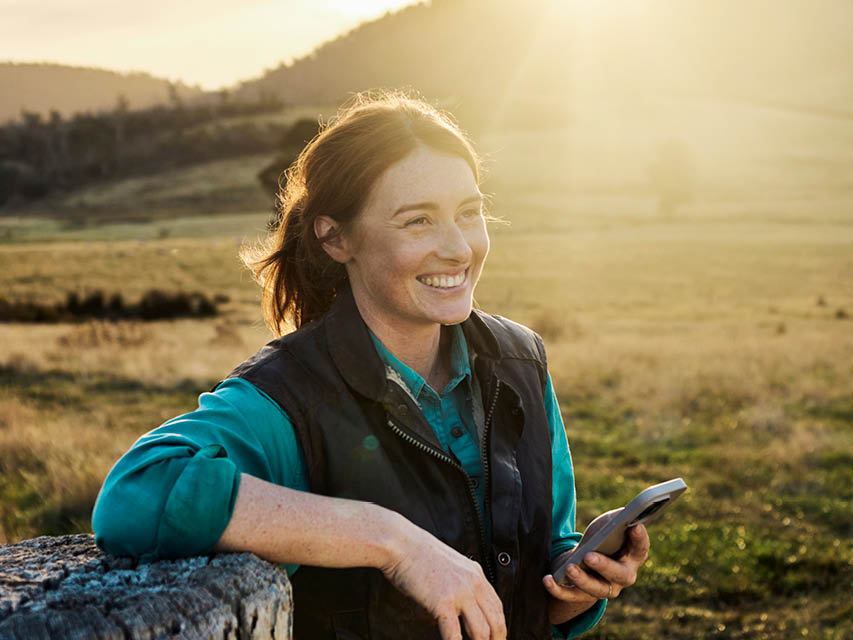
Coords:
pixel 753 535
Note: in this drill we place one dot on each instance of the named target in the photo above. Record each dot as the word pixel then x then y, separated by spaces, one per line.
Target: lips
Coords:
pixel 443 281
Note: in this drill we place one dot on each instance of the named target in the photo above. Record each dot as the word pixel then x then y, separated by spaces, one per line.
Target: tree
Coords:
pixel 672 175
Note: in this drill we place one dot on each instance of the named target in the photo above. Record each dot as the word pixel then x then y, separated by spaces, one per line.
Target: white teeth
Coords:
pixel 443 282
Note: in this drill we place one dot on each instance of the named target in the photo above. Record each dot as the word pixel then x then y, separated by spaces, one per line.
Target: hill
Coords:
pixel 532 58
pixel 43 87
pixel 507 62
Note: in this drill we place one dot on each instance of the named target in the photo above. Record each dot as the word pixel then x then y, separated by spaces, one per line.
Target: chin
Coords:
pixel 455 316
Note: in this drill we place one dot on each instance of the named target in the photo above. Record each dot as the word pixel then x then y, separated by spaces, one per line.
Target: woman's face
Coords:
pixel 417 248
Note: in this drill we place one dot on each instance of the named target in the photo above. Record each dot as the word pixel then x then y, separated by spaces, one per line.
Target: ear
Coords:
pixel 336 245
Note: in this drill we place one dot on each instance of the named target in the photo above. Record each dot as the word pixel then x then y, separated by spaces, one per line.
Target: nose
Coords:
pixel 453 245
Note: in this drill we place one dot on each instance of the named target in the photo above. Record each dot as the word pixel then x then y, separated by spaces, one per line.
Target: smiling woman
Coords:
pixel 391 166
pixel 403 452
pixel 413 267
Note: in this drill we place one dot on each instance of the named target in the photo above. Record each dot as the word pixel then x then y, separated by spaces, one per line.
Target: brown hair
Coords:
pixel 333 176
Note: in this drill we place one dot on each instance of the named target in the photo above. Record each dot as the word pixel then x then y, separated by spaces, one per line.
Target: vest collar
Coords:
pixel 355 356
pixel 352 349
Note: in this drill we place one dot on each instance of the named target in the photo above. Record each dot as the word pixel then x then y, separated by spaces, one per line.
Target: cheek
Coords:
pixel 408 257
pixel 480 243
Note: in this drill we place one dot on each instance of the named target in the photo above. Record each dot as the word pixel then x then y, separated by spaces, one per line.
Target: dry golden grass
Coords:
pixel 73 398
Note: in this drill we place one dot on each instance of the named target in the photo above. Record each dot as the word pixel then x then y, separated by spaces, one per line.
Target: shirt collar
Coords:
pixel 460 366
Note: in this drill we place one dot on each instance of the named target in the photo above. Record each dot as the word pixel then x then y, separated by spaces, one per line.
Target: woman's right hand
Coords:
pixel 297 527
pixel 447 584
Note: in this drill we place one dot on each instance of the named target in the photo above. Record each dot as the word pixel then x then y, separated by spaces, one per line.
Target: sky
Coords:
pixel 211 43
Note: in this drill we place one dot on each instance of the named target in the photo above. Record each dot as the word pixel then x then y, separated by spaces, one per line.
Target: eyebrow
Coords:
pixel 433 205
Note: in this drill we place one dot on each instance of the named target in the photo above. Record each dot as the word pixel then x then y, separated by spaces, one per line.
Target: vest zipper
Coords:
pixel 487 476
pixel 440 455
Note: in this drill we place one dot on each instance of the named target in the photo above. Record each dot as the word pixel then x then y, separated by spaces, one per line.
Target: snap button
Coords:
pixel 516 412
pixel 402 409
pixel 456 432
pixel 504 559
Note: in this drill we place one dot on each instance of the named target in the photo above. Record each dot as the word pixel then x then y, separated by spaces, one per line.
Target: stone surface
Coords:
pixel 65 587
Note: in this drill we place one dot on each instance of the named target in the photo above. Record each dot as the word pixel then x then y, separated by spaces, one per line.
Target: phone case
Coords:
pixel 606 533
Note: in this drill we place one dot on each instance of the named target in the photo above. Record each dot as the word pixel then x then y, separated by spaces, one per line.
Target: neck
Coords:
pixel 419 347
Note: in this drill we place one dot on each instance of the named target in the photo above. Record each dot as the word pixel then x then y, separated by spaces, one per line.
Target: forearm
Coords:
pixel 296 527
pixel 560 611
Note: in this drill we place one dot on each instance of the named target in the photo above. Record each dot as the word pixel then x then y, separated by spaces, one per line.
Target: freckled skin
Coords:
pixel 389 252
pixel 386 254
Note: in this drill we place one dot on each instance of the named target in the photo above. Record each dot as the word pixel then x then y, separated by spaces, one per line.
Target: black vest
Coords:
pixel 364 438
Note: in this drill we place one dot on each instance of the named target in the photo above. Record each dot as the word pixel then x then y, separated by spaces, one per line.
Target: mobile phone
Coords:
pixel 607 533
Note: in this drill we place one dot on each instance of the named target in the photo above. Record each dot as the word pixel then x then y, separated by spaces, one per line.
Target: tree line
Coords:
pixel 40 156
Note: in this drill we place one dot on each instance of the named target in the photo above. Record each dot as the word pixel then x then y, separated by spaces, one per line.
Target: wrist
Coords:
pixel 560 612
pixel 392 538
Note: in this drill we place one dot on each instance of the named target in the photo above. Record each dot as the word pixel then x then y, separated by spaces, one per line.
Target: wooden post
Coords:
pixel 65 587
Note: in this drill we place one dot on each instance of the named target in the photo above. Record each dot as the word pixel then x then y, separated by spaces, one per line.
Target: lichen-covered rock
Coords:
pixel 65 587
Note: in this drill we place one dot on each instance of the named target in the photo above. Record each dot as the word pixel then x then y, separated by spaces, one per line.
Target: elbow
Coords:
pixel 120 527
pixel 127 513
pixel 176 507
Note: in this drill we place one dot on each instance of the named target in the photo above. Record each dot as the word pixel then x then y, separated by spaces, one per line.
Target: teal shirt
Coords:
pixel 172 494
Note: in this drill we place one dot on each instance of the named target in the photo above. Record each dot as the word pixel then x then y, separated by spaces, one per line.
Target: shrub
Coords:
pixel 154 305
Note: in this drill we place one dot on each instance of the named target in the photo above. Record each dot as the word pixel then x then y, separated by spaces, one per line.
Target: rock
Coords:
pixel 65 587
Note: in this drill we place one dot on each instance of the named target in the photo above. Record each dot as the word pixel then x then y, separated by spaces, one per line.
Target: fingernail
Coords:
pixel 573 570
pixel 591 559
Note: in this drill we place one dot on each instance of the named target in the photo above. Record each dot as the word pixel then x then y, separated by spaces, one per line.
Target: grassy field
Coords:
pixel 716 345
pixel 715 349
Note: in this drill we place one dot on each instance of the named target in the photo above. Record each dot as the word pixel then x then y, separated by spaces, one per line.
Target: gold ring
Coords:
pixel 610 590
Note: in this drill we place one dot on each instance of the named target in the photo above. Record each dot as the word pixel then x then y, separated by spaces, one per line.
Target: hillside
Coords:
pixel 507 61
pixel 532 58
pixel 42 87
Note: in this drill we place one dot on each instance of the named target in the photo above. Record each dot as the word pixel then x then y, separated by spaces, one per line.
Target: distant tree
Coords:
pixel 120 112
pixel 672 175
pixel 272 177
pixel 39 156
pixel 174 97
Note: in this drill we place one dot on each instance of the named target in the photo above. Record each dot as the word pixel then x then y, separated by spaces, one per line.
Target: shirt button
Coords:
pixel 456 432
pixel 504 559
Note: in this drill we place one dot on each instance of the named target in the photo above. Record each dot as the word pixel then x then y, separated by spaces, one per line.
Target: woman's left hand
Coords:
pixel 568 602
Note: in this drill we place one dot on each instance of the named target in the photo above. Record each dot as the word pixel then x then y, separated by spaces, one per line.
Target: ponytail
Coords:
pixel 299 281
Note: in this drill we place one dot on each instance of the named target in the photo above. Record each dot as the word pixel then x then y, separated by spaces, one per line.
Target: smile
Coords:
pixel 443 281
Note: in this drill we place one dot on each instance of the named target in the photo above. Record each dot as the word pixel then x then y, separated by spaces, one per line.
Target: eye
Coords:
pixel 419 221
pixel 471 213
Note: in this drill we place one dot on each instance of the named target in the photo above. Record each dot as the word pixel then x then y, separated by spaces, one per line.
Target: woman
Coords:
pixel 407 452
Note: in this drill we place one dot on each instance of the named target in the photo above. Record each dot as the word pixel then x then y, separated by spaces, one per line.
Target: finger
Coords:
pixel 595 587
pixel 622 572
pixel 565 593
pixel 476 625
pixel 638 544
pixel 448 627
pixel 493 609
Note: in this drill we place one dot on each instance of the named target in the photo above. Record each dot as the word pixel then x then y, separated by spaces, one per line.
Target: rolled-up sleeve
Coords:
pixel 172 494
pixel 563 534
